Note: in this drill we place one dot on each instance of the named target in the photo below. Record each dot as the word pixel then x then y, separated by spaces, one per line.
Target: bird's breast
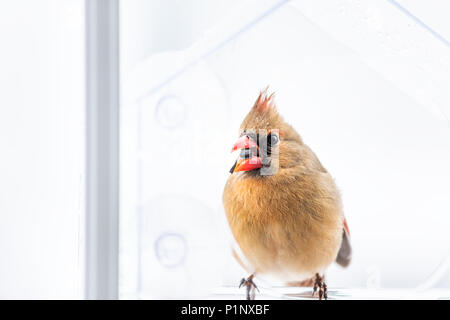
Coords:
pixel 283 228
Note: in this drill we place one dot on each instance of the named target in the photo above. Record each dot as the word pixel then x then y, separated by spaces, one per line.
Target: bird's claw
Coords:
pixel 320 284
pixel 247 282
pixel 250 285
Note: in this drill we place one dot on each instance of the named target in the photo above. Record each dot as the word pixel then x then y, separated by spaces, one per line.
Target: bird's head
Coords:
pixel 266 141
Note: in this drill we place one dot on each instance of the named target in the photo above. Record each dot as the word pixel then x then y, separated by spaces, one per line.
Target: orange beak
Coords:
pixel 248 159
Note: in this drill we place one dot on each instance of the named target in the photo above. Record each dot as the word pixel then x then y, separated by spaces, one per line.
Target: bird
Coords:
pixel 283 207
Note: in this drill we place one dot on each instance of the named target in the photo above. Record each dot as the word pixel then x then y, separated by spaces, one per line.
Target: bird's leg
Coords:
pixel 316 284
pixel 319 283
pixel 250 285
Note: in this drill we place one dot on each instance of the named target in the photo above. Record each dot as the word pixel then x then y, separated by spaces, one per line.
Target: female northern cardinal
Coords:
pixel 283 207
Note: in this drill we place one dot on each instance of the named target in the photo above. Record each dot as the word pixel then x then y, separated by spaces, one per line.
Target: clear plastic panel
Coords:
pixel 365 85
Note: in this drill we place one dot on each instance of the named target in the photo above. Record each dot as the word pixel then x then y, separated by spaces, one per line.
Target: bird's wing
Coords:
pixel 345 252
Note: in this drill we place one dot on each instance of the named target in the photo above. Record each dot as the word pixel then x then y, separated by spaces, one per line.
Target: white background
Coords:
pixel 364 84
pixel 42 148
pixel 369 94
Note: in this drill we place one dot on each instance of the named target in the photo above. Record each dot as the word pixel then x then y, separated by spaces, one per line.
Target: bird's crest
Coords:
pixel 265 102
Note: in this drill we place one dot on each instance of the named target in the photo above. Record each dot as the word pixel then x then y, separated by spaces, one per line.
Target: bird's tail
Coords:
pixel 345 252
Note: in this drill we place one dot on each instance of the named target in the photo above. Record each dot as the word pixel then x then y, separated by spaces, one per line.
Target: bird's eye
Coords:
pixel 273 138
